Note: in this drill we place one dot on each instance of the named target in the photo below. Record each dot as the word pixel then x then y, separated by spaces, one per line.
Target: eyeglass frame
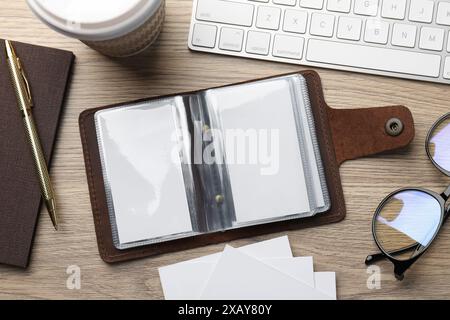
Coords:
pixel 400 266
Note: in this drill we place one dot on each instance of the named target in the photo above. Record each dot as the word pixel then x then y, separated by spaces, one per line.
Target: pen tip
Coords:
pixel 54 221
pixel 51 208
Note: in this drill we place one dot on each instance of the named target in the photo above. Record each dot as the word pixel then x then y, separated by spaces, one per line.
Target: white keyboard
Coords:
pixel 400 38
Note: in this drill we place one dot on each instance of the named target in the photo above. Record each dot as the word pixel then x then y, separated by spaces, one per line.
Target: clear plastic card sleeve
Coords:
pixel 216 160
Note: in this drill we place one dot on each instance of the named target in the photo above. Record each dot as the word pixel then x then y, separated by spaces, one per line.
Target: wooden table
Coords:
pixel 170 67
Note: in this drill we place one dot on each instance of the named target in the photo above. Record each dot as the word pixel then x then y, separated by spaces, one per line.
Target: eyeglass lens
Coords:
pixel 439 144
pixel 407 223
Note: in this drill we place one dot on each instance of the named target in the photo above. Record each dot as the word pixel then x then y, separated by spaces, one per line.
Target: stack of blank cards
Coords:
pixel 264 271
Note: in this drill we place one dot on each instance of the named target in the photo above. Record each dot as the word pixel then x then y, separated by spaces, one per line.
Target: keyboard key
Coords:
pixel 231 39
pixel 258 42
pixel 268 18
pixel 447 68
pixel 313 4
pixel 295 21
pixel 406 30
pixel 374 58
pixel 421 11
pixel 322 25
pixel 288 47
pixel 432 39
pixel 285 2
pixel 366 7
pixel 349 28
pixel 204 35
pixel 448 42
pixel 443 14
pixel 377 31
pixel 236 13
pixel 394 9
pixel 339 5
pixel 404 35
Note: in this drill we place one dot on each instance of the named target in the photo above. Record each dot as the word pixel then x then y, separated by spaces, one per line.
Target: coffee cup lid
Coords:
pixel 94 20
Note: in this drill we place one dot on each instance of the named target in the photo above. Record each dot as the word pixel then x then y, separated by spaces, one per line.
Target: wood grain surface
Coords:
pixel 170 67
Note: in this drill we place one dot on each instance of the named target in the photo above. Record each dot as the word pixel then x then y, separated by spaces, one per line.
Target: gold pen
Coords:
pixel 25 103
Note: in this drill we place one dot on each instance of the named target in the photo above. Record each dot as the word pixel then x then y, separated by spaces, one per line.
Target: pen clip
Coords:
pixel 25 81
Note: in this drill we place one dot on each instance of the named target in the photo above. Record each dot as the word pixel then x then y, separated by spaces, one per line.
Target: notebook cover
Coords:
pixel 343 134
pixel 48 73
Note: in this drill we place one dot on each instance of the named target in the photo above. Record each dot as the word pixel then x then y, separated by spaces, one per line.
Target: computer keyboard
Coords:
pixel 401 38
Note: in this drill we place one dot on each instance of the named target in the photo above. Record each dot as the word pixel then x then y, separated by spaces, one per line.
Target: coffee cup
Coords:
pixel 117 28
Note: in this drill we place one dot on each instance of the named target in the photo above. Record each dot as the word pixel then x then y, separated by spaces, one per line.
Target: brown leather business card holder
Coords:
pixel 342 134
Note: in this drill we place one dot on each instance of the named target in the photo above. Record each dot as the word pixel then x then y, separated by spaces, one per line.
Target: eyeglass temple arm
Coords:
pixel 380 256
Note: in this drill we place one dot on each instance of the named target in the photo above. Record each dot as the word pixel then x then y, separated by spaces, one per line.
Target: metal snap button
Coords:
pixel 394 127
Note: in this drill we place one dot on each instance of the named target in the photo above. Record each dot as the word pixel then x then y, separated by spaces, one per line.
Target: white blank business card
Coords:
pixel 238 276
pixel 186 280
pixel 274 185
pixel 326 283
pixel 193 279
pixel 136 146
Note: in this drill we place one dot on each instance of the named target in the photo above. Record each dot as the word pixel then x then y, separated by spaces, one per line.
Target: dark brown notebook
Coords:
pixel 48 72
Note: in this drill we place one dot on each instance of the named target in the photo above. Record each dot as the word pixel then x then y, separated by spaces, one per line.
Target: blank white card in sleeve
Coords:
pixel 137 145
pixel 274 185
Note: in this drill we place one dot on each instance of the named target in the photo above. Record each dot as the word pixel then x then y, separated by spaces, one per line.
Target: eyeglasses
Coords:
pixel 408 220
